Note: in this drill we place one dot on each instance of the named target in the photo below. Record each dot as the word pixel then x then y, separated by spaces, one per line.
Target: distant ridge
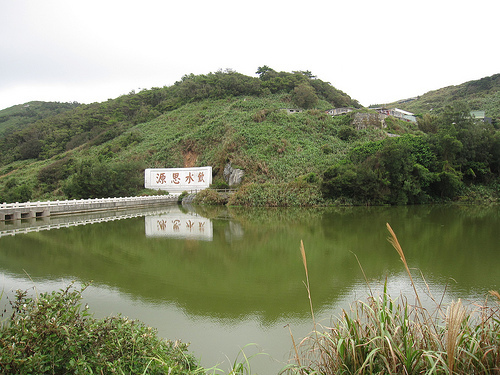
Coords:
pixel 21 115
pixel 482 94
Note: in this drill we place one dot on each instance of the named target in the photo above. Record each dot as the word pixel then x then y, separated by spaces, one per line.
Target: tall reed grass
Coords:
pixel 383 335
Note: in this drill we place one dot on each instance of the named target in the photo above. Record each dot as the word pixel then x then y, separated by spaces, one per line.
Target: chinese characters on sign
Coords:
pixel 160 178
pixel 190 225
pixel 180 226
pixel 178 179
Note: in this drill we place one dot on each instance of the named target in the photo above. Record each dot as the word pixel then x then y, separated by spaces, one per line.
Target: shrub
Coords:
pixel 219 184
pixel 131 138
pixel 291 194
pixel 210 197
pixel 347 133
pixel 327 149
pixel 95 179
pixel 261 115
pixel 311 178
pixel 150 192
pixel 182 196
pixel 53 334
pixel 57 171
pixel 14 192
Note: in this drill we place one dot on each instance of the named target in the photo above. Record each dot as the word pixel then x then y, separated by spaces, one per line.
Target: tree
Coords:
pixel 449 147
pixel 96 179
pixel 347 133
pixel 360 182
pixel 428 123
pixel 265 73
pixel 304 96
pixel 447 184
pixel 307 73
pixel 395 170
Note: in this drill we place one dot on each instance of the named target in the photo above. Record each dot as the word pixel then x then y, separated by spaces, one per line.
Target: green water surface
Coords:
pixel 242 282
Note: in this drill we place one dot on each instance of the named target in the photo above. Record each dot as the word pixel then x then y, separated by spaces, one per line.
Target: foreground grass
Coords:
pixel 383 335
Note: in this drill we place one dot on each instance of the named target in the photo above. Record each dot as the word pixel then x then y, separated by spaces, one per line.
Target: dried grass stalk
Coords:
pixel 494 293
pixel 304 260
pixel 455 315
pixel 395 243
pixel 387 336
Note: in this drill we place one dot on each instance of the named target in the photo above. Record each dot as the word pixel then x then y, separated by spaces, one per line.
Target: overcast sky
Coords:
pixel 375 51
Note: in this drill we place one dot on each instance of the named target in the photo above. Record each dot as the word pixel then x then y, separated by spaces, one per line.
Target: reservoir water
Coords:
pixel 222 278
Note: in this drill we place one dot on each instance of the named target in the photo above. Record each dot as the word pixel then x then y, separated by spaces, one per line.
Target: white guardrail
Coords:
pixel 74 202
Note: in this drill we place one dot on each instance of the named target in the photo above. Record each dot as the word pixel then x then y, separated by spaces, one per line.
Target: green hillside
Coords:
pixel 102 149
pixel 21 115
pixel 481 95
pixel 201 118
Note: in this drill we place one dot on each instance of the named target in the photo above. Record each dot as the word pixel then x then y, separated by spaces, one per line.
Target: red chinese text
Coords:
pixel 176 179
pixel 161 178
pixel 189 178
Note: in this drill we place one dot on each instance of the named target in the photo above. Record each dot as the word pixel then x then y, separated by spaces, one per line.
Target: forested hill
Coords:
pixel 480 95
pixel 118 138
pixel 19 116
pixel 102 149
pixel 100 122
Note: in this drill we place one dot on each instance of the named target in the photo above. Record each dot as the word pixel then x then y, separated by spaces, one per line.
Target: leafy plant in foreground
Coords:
pixel 53 334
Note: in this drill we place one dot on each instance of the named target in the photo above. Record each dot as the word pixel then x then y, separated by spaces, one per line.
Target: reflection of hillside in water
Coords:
pixel 252 266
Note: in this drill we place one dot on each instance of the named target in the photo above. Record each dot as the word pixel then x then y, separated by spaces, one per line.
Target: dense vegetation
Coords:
pixel 101 149
pixel 66 150
pixel 452 154
pixel 54 334
pixel 17 117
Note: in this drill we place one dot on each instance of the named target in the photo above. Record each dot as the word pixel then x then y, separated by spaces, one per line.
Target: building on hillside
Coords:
pixel 339 111
pixel 398 113
pixel 364 120
pixel 292 110
pixel 480 116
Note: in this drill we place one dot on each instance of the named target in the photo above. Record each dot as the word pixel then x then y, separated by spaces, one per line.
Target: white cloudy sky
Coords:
pixel 375 51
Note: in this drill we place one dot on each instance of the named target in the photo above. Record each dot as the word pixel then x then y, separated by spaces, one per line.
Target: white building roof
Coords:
pixel 404 112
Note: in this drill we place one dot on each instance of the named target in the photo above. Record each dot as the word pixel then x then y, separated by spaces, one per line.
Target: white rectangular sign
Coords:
pixel 178 179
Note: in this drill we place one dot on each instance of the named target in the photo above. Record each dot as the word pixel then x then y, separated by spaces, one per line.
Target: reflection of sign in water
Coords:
pixel 179 225
pixel 178 179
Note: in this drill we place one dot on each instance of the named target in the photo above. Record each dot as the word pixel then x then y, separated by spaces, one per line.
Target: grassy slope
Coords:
pixel 281 147
pixel 482 94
